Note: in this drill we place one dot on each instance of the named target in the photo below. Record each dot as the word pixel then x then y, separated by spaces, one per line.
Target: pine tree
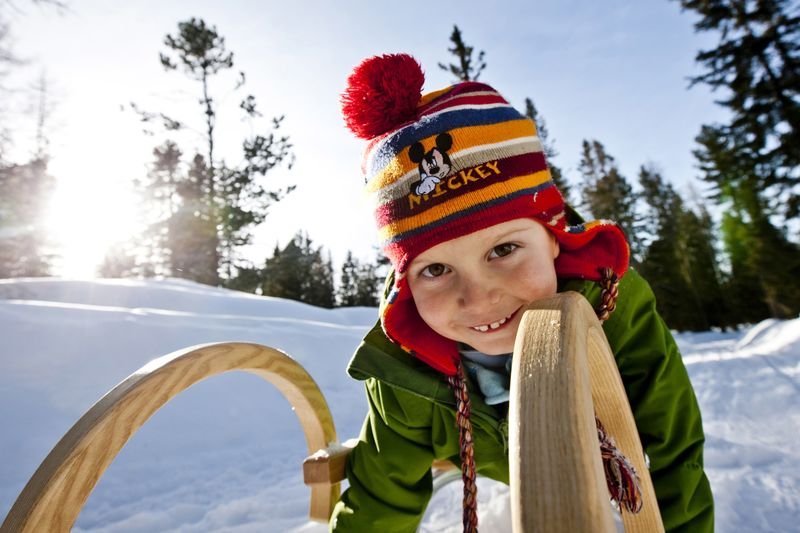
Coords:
pixel 769 257
pixel 234 199
pixel 24 193
pixel 358 283
pixel 25 186
pixel 660 264
pixel 163 178
pixel 607 194
pixel 192 237
pixel 299 272
pixel 348 279
pixel 8 60
pixel 744 292
pixel 757 63
pixel 549 150
pixel 464 69
pixel 680 260
pixel 160 201
pixel 284 272
pixel 699 262
pixel 248 279
pixel 244 200
pixel 367 288
pixel 320 289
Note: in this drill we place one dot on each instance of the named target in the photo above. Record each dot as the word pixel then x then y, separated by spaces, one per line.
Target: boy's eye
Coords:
pixel 502 250
pixel 434 271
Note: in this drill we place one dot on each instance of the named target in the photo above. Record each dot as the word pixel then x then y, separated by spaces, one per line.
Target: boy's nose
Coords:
pixel 477 293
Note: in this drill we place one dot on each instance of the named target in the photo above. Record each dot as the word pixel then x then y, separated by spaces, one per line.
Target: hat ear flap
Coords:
pixel 402 323
pixel 597 244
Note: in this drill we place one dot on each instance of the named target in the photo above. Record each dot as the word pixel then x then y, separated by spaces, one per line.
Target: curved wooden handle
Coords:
pixel 54 496
pixel 563 373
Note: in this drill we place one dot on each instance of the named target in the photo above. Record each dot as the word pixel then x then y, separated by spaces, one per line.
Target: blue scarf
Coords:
pixel 491 372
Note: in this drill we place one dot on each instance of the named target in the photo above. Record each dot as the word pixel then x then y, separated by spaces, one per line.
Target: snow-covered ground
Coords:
pixel 225 455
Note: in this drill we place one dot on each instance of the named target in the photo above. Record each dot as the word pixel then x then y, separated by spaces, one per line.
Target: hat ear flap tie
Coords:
pixel 466 449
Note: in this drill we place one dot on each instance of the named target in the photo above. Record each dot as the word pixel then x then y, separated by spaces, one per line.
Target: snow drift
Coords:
pixel 226 454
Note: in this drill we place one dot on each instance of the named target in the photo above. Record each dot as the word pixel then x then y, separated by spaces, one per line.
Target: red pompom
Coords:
pixel 382 93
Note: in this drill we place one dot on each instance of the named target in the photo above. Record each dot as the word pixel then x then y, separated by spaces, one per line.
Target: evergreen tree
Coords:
pixel 358 283
pixel 245 201
pixel 24 193
pixel 320 290
pixel 248 279
pixel 549 150
pixel 284 272
pixel 757 62
pixel 233 199
pixel 661 263
pixel 192 237
pixel 699 265
pixel 8 60
pixel 299 272
pixel 680 260
pixel 367 288
pixel 382 267
pixel 464 69
pixel 163 178
pixel 25 186
pixel 160 201
pixel 607 194
pixel 769 257
pixel 743 289
pixel 346 293
pixel 9 63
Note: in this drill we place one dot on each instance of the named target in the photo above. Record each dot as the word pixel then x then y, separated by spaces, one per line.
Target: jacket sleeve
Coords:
pixel 664 407
pixel 389 471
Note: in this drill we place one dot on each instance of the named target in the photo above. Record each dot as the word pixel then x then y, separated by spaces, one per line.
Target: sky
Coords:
pixel 225 455
pixel 614 71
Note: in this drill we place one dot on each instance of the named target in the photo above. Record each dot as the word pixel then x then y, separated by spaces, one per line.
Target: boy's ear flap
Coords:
pixel 443 142
pixel 416 152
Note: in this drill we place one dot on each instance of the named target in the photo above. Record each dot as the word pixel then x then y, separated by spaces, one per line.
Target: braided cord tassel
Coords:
pixel 466 449
pixel 621 477
pixel 609 283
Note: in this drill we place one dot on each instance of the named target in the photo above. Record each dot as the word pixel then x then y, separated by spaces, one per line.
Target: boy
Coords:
pixel 475 230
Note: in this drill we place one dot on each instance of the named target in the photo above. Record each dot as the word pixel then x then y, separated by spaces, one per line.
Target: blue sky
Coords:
pixel 613 71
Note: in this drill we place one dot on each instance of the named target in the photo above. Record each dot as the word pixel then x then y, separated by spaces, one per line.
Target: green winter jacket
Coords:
pixel 411 422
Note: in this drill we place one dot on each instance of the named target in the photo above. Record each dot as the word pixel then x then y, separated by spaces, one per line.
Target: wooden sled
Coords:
pixel 563 372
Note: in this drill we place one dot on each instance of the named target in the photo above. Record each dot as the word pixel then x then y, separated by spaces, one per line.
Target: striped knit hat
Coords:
pixel 448 163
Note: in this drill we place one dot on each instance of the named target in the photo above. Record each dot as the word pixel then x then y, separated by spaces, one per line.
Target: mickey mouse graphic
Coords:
pixel 434 165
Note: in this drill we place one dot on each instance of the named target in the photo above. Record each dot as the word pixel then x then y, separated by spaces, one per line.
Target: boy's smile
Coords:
pixel 471 289
pixel 494 326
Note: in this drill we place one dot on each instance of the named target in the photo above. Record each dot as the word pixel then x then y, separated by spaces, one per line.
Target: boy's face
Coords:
pixel 471 289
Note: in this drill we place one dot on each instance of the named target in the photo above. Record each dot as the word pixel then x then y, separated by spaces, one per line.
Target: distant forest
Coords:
pixel 741 267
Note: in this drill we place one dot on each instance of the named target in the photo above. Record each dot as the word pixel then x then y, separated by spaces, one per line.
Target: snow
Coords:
pixel 226 454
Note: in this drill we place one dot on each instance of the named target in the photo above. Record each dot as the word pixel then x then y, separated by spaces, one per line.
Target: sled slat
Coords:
pixel 327 465
pixel 54 496
pixel 563 373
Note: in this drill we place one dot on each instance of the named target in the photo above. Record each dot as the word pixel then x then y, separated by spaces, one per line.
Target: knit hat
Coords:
pixel 448 163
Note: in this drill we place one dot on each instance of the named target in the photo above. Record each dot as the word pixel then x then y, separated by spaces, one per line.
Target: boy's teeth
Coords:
pixel 493 325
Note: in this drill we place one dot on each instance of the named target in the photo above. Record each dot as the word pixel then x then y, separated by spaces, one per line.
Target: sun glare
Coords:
pixel 86 217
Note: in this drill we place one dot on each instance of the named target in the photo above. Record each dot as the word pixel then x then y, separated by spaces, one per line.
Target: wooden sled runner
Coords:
pixel 563 373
